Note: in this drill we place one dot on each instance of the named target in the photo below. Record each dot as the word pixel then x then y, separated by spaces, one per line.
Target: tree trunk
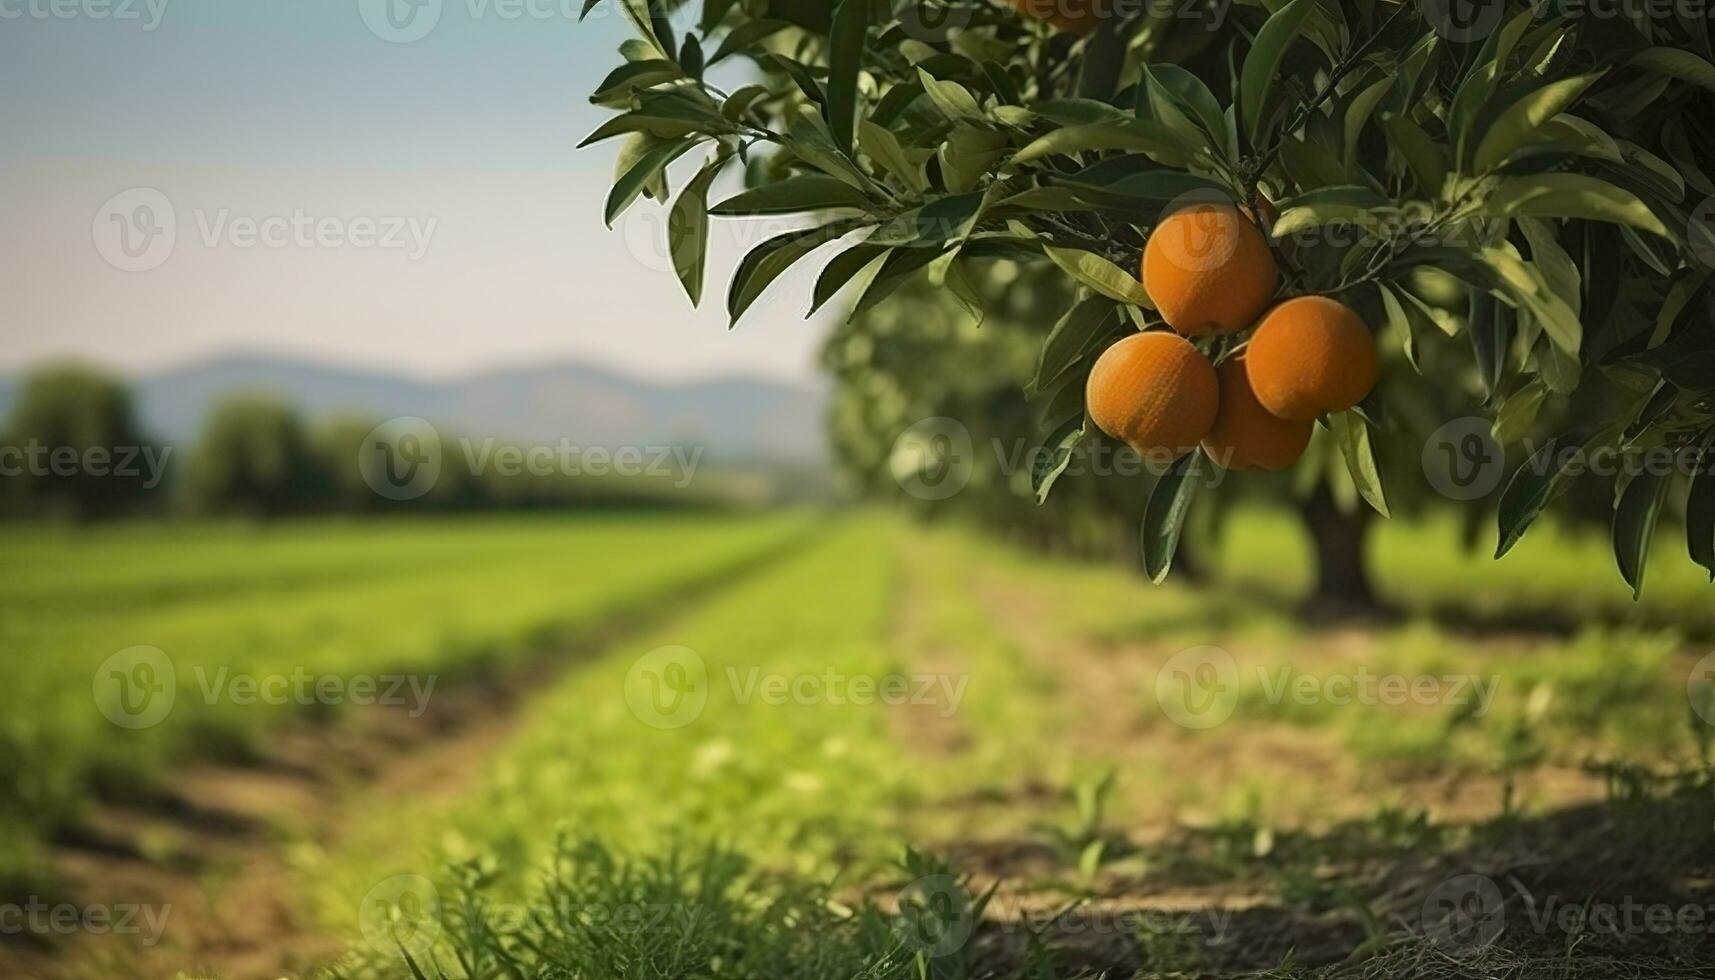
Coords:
pixel 1342 575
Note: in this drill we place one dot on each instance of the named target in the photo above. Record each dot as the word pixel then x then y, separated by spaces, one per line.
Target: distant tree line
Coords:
pixel 73 448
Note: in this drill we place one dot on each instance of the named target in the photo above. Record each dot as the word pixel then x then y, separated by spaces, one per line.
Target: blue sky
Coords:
pixel 243 113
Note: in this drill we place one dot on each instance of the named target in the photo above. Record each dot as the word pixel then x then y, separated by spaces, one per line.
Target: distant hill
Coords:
pixel 734 418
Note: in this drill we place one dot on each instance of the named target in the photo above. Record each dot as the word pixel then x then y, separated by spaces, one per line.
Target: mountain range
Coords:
pixel 734 418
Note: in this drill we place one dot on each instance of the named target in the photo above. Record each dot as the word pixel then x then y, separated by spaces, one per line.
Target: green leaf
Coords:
pixel 745 34
pixel 1422 155
pixel 845 57
pixel 898 268
pixel 1514 125
pixel 880 145
pixel 843 268
pixel 651 163
pixel 737 103
pixel 1100 275
pixel 1061 446
pixel 1076 334
pixel 1348 204
pixel 938 221
pixel 1357 116
pixel 801 76
pixel 1563 195
pixel 1534 485
pixel 1519 412
pixel 1262 63
pixel 801 192
pixel 764 263
pixel 688 229
pixel 1677 63
pixel 954 100
pixel 1634 524
pixel 637 122
pixel 1188 93
pixel 634 75
pixel 1164 515
pixel 1352 434
pixel 967 154
pixel 1490 328
pixel 1135 135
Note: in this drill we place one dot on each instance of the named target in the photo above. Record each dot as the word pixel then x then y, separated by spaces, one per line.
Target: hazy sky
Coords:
pixel 415 205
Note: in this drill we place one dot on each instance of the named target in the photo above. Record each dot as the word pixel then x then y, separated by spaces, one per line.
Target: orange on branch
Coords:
pixel 1246 435
pixel 1311 355
pixel 1156 392
pixel 1208 269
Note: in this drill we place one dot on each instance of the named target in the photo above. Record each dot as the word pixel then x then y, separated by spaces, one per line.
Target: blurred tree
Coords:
pixel 73 448
pixel 255 458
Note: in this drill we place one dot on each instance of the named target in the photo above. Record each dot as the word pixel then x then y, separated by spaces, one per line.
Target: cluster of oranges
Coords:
pixel 1210 272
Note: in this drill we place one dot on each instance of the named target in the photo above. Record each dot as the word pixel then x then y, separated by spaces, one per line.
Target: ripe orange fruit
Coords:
pixel 1156 392
pixel 1076 16
pixel 1311 355
pixel 1246 435
pixel 1208 269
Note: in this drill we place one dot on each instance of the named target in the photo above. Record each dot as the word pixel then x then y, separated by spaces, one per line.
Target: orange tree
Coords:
pixel 1551 159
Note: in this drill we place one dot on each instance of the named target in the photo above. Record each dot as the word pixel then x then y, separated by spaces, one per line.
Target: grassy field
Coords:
pixel 851 747
pixel 222 603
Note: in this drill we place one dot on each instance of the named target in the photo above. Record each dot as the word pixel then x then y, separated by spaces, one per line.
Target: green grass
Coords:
pixel 751 839
pixel 333 598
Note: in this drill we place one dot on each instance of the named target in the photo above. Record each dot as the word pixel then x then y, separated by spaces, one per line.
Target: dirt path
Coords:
pixel 207 857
